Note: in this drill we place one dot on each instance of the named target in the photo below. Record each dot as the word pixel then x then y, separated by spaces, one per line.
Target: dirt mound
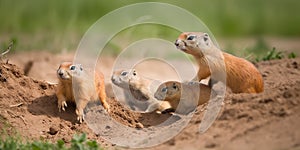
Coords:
pixel 31 106
pixel 269 120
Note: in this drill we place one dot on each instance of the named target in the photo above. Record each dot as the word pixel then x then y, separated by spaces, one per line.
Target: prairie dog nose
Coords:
pixel 176 43
pixel 60 73
pixel 113 79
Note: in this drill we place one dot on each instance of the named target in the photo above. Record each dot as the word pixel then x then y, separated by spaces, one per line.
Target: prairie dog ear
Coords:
pixel 206 39
pixel 134 72
pixel 175 86
pixel 80 66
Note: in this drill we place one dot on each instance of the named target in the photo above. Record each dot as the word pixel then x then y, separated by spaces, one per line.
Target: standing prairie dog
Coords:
pixel 137 91
pixel 75 85
pixel 183 97
pixel 241 75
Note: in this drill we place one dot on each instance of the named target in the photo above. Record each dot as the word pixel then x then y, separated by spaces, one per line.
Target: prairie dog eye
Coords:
pixel 72 67
pixel 191 37
pixel 164 89
pixel 124 73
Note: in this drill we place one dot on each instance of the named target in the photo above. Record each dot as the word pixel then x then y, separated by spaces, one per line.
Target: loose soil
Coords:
pixel 269 120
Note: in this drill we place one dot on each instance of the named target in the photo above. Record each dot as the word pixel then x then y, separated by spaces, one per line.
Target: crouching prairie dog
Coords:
pixel 138 91
pixel 241 75
pixel 183 97
pixel 75 85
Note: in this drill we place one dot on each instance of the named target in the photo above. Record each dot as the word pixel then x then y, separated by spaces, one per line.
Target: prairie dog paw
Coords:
pixel 80 118
pixel 80 115
pixel 106 107
pixel 62 105
pixel 158 112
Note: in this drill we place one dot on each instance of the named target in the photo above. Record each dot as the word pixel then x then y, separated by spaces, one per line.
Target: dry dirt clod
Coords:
pixel 171 142
pixel 267 100
pixel 53 130
pixel 228 114
pixel 43 86
pixel 287 94
pixel 107 127
pixel 139 125
pixel 2 79
pixel 210 145
pixel 295 64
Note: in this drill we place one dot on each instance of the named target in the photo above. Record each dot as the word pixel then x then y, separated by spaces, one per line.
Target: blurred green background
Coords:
pixel 57 25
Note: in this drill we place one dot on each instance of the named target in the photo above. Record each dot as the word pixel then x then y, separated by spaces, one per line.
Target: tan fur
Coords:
pixel 188 95
pixel 85 89
pixel 241 75
pixel 137 87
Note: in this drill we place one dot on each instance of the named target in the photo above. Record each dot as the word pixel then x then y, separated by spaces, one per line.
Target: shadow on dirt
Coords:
pixel 47 105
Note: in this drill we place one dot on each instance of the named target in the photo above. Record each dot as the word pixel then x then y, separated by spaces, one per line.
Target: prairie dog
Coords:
pixel 137 90
pixel 75 85
pixel 183 97
pixel 241 75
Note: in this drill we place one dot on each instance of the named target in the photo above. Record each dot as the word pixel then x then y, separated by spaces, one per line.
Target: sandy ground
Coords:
pixel 269 120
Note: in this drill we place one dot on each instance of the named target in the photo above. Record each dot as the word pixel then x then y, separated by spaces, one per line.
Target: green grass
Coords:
pixel 78 142
pixel 261 51
pixel 56 25
pixel 275 54
pixel 11 140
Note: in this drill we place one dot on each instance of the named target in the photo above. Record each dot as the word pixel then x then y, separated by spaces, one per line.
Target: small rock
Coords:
pixel 237 100
pixel 61 126
pixel 280 113
pixel 107 127
pixel 294 102
pixel 53 130
pixel 242 116
pixel 139 125
pixel 171 142
pixel 267 100
pixel 295 65
pixel 216 136
pixel 210 145
pixel 228 114
pixel 250 118
pixel 66 139
pixel 197 121
pixel 265 75
pixel 43 86
pixel 73 127
pixel 2 79
pixel 287 94
pixel 280 100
